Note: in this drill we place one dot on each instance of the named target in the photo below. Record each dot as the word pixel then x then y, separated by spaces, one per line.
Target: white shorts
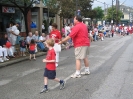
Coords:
pixel 57 47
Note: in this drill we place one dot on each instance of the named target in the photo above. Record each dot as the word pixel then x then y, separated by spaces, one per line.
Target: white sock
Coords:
pixel 56 64
pixel 86 69
pixel 77 72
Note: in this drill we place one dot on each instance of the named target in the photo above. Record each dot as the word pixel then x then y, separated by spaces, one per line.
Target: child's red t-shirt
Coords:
pixel 32 47
pixel 51 56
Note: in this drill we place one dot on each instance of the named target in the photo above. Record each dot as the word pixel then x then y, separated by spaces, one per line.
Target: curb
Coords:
pixel 10 62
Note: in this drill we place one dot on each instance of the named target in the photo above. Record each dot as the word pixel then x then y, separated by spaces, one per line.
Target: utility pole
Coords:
pixel 112 16
pixel 116 12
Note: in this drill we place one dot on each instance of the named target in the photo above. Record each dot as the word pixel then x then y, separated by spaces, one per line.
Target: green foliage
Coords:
pixel 67 8
pixel 64 8
pixel 99 12
pixel 113 14
pixel 85 7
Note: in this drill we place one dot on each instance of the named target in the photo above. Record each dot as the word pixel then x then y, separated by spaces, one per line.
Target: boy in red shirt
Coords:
pixel 50 69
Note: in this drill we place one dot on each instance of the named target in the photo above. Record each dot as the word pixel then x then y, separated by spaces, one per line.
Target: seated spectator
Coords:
pixel 40 44
pixel 3 54
pixel 23 46
pixel 42 38
pixel 29 38
pixel 36 36
pixel 36 39
pixel 6 45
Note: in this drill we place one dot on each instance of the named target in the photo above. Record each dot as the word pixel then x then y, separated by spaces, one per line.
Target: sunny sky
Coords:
pixel 125 2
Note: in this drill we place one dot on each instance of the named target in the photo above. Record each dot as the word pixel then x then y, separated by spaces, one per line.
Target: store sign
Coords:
pixel 8 9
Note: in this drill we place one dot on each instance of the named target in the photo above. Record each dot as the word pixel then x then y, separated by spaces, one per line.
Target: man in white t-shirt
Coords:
pixel 49 28
pixel 13 35
pixel 43 28
pixel 36 36
pixel 29 38
pixel 67 30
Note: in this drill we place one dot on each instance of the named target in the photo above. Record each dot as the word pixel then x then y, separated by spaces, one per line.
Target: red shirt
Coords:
pixel 51 56
pixel 32 47
pixel 79 35
pixel 113 31
pixel 55 34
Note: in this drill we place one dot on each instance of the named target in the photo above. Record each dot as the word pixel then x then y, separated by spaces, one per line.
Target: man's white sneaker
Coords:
pixel 75 75
pixel 5 59
pixel 1 61
pixel 85 73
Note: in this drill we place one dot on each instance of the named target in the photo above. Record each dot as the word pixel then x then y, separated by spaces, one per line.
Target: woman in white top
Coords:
pixel 8 31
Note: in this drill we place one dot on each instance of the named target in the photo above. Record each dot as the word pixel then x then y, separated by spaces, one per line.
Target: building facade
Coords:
pixel 127 17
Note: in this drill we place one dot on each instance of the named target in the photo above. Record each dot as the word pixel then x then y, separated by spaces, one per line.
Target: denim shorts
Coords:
pixel 50 74
pixel 32 52
pixel 22 49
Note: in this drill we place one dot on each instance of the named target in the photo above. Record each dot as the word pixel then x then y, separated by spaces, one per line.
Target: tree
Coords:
pixel 99 13
pixel 24 6
pixel 112 14
pixel 85 6
pixel 64 8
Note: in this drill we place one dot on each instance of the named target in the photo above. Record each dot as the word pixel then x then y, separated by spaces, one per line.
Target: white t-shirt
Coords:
pixel 28 39
pixel 13 29
pixel 49 28
pixel 8 30
pixel 67 30
pixel 43 27
pixel 36 38
pixel 42 38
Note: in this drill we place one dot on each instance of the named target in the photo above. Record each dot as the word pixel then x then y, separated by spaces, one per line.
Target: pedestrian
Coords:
pixel 14 34
pixel 79 35
pixel 56 35
pixel 113 32
pixel 23 46
pixel 49 28
pixel 43 28
pixel 8 31
pixel 32 48
pixel 50 69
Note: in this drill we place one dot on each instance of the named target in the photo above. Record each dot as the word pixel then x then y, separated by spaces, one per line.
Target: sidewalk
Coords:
pixel 20 59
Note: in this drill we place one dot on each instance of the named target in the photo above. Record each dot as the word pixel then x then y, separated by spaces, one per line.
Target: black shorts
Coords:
pixel 32 52
pixel 51 74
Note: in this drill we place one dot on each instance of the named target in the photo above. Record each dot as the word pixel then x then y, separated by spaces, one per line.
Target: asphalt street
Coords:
pixel 111 66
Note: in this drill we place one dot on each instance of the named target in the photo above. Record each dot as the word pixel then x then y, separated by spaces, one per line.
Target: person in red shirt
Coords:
pixel 79 35
pixel 50 69
pixel 56 36
pixel 32 48
pixel 112 32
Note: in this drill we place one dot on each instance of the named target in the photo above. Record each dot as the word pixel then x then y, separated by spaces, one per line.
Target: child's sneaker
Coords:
pixel 75 75
pixel 44 90
pixel 62 85
pixel 24 55
pixel 85 73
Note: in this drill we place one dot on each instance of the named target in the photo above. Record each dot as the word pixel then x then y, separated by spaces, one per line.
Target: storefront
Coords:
pixel 9 14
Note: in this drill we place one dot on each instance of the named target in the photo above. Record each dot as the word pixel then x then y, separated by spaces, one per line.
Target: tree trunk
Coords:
pixel 26 22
